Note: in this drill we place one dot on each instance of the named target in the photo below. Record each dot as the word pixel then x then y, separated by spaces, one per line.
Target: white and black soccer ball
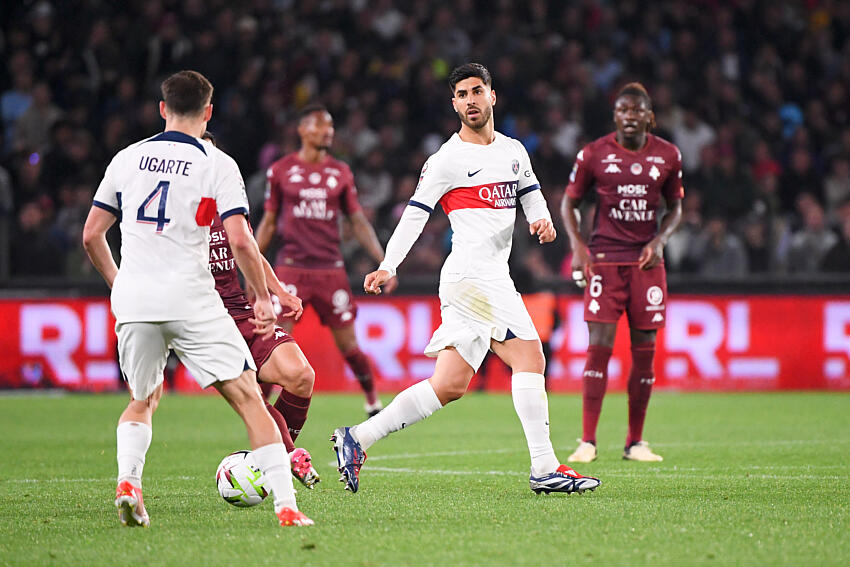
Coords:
pixel 239 480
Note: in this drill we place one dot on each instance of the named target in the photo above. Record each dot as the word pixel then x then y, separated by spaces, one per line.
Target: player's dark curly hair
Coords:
pixel 310 109
pixel 638 90
pixel 468 70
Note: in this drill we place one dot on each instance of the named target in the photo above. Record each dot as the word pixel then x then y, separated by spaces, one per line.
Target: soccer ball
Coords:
pixel 239 480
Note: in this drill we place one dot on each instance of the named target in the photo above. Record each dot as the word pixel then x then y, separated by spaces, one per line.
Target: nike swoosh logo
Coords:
pixel 468 174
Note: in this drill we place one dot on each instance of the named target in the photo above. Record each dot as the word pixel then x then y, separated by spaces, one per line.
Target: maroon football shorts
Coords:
pixel 261 348
pixel 327 290
pixel 615 288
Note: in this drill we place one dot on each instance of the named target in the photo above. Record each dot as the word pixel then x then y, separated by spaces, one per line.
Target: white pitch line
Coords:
pixel 404 470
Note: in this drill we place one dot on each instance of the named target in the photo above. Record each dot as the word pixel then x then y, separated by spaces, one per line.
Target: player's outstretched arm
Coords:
pixel 265 231
pixel 94 241
pixel 653 253
pixel 247 256
pixel 581 266
pixel 286 299
pixel 365 235
pixel 409 228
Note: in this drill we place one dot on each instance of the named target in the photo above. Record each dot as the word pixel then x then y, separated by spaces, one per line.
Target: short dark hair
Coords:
pixel 310 109
pixel 186 93
pixel 468 70
pixel 635 89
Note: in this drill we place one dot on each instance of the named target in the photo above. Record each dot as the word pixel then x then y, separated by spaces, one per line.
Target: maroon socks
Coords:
pixel 640 388
pixel 594 382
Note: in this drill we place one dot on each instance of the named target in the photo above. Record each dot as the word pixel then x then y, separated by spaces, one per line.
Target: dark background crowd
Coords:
pixel 755 94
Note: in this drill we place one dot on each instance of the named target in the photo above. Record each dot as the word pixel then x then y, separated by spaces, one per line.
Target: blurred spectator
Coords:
pixel 809 245
pixel 35 252
pixel 837 184
pixel 716 252
pixel 799 177
pixel 837 258
pixel 692 135
pixel 33 126
pixel 17 99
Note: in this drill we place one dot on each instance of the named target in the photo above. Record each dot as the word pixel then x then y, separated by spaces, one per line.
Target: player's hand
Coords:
pixel 544 229
pixel 581 266
pixel 264 318
pixel 391 284
pixel 291 306
pixel 651 255
pixel 373 282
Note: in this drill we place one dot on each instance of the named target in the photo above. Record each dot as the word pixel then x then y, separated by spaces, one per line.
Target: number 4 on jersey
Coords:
pixel 160 219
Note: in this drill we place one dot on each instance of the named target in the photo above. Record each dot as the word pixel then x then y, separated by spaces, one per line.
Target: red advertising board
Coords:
pixel 721 343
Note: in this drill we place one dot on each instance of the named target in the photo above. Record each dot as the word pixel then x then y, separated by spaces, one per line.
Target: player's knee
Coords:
pixel 303 381
pixel 449 390
pixel 601 334
pixel 243 389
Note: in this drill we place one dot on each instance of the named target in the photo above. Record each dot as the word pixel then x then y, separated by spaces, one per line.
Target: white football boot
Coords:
pixel 640 451
pixel 585 453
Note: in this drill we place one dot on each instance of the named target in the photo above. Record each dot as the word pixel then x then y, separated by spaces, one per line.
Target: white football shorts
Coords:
pixel 211 349
pixel 473 311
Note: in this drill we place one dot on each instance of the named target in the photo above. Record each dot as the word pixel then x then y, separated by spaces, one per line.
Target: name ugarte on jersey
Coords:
pixel 162 165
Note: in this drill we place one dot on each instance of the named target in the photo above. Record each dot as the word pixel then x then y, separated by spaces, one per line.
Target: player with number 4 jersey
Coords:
pixel 165 192
pixel 622 268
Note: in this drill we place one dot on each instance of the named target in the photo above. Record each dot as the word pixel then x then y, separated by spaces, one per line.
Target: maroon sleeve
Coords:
pixel 673 189
pixel 348 197
pixel 273 199
pixel 581 178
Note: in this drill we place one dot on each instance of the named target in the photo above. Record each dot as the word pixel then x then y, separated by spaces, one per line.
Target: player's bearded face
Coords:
pixel 473 102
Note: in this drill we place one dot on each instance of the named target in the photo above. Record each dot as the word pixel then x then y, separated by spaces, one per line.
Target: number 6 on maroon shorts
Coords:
pixel 615 288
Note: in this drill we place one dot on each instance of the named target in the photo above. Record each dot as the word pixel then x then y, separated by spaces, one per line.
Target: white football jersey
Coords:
pixel 478 187
pixel 165 192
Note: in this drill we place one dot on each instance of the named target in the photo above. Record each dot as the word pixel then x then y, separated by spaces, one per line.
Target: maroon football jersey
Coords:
pixel 308 199
pixel 223 268
pixel 629 188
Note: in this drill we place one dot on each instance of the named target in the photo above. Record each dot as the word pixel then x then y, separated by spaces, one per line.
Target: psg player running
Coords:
pixel 622 268
pixel 162 190
pixel 478 176
pixel 278 358
pixel 307 193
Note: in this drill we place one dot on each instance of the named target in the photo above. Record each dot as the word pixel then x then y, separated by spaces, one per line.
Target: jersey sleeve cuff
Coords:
pixel 236 211
pixel 528 189
pixel 387 268
pixel 422 206
pixel 108 208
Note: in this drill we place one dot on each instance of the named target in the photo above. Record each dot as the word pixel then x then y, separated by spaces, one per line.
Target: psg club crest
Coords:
pixel 515 166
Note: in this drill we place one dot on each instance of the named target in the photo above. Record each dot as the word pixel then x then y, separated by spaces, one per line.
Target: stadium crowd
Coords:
pixel 755 93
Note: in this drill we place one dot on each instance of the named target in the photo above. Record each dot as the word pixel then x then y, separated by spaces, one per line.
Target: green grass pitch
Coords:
pixel 748 479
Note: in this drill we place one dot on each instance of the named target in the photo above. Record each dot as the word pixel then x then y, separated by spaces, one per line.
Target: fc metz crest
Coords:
pixel 515 166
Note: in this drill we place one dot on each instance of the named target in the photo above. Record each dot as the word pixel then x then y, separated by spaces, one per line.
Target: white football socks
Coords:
pixel 412 405
pixel 528 390
pixel 133 440
pixel 273 461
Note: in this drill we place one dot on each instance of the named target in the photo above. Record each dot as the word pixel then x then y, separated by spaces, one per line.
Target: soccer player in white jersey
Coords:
pixel 477 176
pixel 165 191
